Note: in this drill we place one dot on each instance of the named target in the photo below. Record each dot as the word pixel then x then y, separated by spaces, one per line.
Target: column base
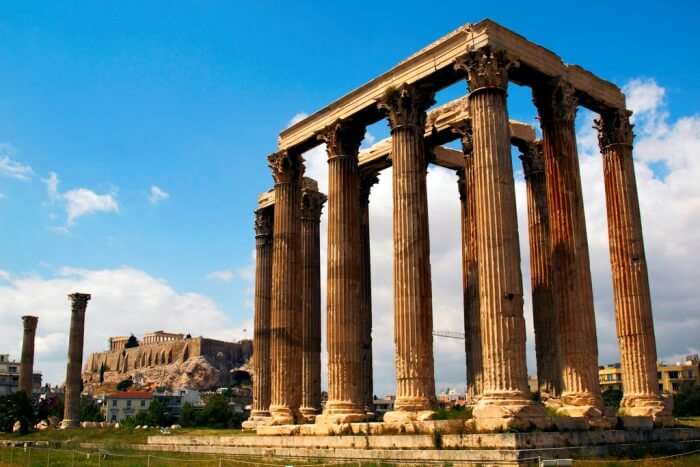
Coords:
pixel 659 408
pixel 337 412
pixel 66 424
pixel 581 404
pixel 308 414
pixel 502 412
pixel 281 415
pixel 257 418
pixel 405 416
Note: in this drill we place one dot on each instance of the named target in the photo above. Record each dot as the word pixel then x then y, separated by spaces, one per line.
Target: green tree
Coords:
pixel 216 413
pixel 90 411
pixel 188 415
pixel 158 414
pixel 686 403
pixel 13 408
pixel 612 398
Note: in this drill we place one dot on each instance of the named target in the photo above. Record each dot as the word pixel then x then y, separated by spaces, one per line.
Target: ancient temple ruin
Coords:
pixel 486 57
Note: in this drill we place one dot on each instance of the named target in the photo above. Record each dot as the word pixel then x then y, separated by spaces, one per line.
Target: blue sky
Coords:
pixel 116 98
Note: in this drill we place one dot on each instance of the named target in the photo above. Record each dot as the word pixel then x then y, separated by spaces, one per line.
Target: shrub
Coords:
pixel 686 403
pixel 13 408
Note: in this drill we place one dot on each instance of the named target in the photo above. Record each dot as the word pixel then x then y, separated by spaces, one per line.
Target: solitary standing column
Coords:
pixel 470 266
pixel 311 206
pixel 27 365
pixel 505 400
pixel 413 309
pixel 285 315
pixel 71 410
pixel 635 325
pixel 261 340
pixel 344 323
pixel 544 316
pixel 367 180
pixel 571 271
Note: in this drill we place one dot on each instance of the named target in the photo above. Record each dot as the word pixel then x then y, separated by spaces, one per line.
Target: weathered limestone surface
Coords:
pixel 635 325
pixel 71 410
pixel 27 363
pixel 264 225
pixel 546 320
pixel 367 180
pixel 505 400
pixel 571 272
pixel 285 322
pixel 470 267
pixel 311 205
pixel 346 400
pixel 413 313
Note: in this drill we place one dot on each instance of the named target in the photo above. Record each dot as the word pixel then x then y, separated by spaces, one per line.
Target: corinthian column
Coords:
pixel 635 325
pixel 285 307
pixel 311 206
pixel 27 364
pixel 71 409
pixel 368 179
pixel 344 323
pixel 571 271
pixel 505 400
pixel 413 309
pixel 544 316
pixel 470 266
pixel 260 412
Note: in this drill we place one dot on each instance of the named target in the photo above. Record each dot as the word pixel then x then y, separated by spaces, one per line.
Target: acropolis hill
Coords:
pixel 163 359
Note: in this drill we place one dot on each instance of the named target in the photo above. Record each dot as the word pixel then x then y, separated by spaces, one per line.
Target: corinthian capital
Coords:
pixel 614 127
pixel 30 322
pixel 286 167
pixel 464 130
pixel 406 105
pixel 342 138
pixel 556 101
pixel 532 156
pixel 486 68
pixel 312 204
pixel 263 222
pixel 79 300
pixel 368 178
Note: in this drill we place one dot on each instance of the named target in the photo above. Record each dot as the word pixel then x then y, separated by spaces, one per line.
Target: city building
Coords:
pixel 672 377
pixel 451 398
pixel 175 400
pixel 9 376
pixel 120 405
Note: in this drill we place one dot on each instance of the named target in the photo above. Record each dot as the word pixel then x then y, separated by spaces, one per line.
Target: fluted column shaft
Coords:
pixel 413 313
pixel 311 206
pixel 285 314
pixel 27 363
pixel 470 268
pixel 571 272
pixel 344 322
pixel 546 321
pixel 367 180
pixel 264 218
pixel 71 409
pixel 633 315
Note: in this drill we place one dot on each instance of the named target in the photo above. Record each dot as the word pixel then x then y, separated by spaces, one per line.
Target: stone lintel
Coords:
pixel 433 65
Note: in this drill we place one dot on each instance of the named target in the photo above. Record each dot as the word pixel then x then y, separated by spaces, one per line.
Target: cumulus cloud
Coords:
pixel 10 167
pixel 667 169
pixel 157 194
pixel 124 300
pixel 78 202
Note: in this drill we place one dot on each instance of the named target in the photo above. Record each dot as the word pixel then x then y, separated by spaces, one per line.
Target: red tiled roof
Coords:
pixel 131 395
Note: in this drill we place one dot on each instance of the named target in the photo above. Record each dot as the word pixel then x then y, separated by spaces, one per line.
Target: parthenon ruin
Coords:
pixel 287 297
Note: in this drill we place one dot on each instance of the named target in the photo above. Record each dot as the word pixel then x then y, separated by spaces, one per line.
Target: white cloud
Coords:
pixel 78 202
pixel 223 276
pixel 124 300
pixel 297 118
pixel 157 195
pixel 670 206
pixel 2 196
pixel 11 168
pixel 83 202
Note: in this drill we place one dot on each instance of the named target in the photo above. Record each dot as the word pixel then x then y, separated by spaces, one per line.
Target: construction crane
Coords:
pixel 449 334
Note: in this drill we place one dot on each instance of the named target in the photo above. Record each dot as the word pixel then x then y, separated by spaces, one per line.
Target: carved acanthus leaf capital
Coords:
pixel 342 138
pixel 532 156
pixel 263 222
pixel 556 101
pixel 407 105
pixel 614 127
pixel 79 300
pixel 30 322
pixel 464 130
pixel 368 178
pixel 486 68
pixel 312 204
pixel 286 167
